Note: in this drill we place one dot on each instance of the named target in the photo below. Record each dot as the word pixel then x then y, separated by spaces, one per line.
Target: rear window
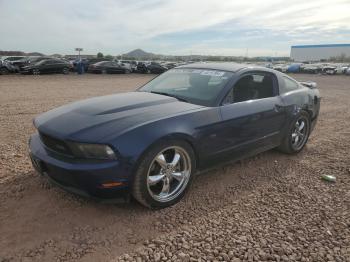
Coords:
pixel 289 85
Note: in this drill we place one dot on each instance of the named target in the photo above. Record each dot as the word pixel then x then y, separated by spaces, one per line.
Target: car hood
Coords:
pixel 93 119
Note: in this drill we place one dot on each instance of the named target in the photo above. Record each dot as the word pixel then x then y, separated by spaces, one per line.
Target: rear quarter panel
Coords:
pixel 303 98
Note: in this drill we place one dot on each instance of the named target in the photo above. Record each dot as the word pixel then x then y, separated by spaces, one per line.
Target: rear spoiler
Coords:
pixel 309 84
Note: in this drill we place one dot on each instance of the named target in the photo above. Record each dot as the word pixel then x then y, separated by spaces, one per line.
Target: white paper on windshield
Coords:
pixel 199 71
pixel 212 73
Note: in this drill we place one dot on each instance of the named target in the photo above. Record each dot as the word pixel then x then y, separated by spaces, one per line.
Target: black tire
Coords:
pixel 127 71
pixel 103 71
pixel 140 190
pixel 65 71
pixel 4 71
pixel 289 146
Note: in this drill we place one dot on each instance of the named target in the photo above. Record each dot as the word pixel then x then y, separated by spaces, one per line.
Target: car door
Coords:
pixel 118 68
pixel 252 113
pixel 45 67
pixel 57 67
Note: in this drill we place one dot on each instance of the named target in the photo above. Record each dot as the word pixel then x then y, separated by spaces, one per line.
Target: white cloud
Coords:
pixel 118 26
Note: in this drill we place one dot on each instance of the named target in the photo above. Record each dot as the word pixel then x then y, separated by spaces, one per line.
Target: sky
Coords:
pixel 179 27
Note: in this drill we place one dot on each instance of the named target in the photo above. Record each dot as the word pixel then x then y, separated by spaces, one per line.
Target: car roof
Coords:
pixel 231 67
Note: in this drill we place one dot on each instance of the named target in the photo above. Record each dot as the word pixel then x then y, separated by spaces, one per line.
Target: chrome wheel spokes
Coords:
pixel 161 160
pixel 152 180
pixel 299 134
pixel 169 174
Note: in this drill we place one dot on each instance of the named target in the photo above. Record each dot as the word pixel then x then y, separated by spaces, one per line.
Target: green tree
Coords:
pixel 109 57
pixel 99 55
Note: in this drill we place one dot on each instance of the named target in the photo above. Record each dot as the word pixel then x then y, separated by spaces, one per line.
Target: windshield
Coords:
pixel 197 86
pixel 39 62
pixel 101 63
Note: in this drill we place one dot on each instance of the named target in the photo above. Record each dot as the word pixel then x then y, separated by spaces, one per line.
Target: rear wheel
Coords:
pixel 164 174
pixel 297 135
pixel 104 71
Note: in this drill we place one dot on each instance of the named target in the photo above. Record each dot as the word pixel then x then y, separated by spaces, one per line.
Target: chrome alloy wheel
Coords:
pixel 300 133
pixel 169 174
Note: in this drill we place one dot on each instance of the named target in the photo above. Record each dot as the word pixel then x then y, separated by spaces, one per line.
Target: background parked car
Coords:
pixel 311 68
pixel 341 69
pixel 108 67
pixel 170 65
pixel 294 68
pixel 126 65
pixel 280 67
pixel 155 68
pixel 6 68
pixel 141 68
pixel 329 70
pixel 47 66
pixel 347 71
pixel 25 61
pixel 130 64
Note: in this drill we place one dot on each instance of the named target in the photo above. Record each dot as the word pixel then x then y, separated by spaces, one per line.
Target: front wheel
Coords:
pixel 36 71
pixel 4 71
pixel 297 134
pixel 164 174
pixel 65 71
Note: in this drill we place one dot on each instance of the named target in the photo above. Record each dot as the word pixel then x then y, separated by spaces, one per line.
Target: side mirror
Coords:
pixel 309 84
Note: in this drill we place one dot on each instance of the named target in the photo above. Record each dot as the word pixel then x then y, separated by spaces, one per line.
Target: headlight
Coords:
pixel 96 151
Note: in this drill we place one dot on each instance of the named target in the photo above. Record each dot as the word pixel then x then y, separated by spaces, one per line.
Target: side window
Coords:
pixel 251 87
pixel 289 85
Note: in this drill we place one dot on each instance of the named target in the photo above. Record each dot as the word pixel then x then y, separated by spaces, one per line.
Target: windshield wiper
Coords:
pixel 171 95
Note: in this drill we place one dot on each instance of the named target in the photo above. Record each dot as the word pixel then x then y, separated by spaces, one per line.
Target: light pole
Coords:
pixel 78 49
pixel 79 63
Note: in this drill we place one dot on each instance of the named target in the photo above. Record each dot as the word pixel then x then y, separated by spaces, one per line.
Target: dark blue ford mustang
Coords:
pixel 150 142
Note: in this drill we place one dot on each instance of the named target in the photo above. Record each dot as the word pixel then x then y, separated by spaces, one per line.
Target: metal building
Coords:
pixel 301 53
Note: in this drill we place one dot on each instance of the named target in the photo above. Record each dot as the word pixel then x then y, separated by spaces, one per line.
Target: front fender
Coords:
pixel 132 144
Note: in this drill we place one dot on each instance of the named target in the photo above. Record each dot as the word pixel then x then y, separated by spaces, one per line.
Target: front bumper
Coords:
pixel 25 70
pixel 82 177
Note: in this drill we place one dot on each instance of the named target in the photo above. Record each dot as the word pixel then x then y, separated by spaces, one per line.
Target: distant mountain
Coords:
pixel 140 54
pixel 19 53
pixel 35 54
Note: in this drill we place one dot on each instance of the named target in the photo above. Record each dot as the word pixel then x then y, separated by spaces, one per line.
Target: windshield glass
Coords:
pixel 101 63
pixel 197 86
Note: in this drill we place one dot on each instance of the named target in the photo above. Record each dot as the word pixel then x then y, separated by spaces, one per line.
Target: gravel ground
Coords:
pixel 272 207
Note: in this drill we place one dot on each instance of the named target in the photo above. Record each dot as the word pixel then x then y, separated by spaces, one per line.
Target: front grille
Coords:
pixel 55 144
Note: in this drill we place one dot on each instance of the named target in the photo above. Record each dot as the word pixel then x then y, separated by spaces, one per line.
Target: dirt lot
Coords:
pixel 269 207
